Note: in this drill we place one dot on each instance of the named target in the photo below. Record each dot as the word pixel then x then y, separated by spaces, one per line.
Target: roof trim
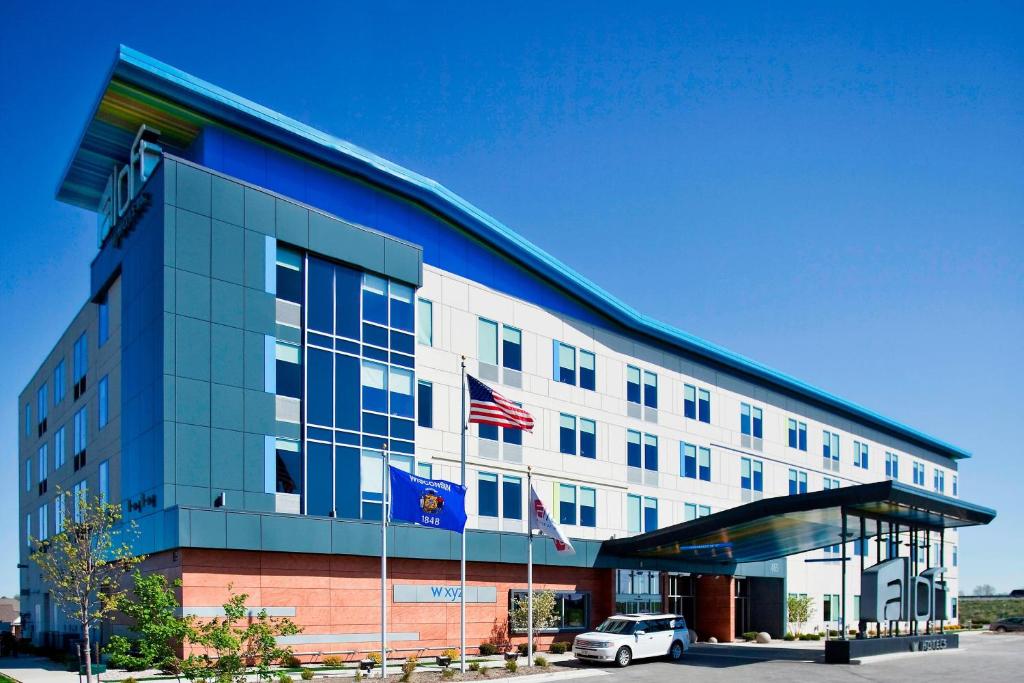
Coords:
pixel 226 107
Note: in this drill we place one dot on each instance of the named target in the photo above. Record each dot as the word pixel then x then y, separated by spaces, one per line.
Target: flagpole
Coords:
pixel 384 568
pixel 529 567
pixel 462 563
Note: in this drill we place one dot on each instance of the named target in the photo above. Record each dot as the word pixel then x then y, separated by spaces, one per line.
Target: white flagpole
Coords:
pixel 384 568
pixel 529 567
pixel 462 564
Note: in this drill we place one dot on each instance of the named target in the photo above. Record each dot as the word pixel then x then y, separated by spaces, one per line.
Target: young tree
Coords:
pixel 237 641
pixel 544 605
pixel 84 563
pixel 801 608
pixel 984 589
pixel 159 631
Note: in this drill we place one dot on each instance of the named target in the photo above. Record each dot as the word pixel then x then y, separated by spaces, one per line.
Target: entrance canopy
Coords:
pixel 787 525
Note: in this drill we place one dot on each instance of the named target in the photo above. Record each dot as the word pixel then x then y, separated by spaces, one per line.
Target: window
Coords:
pixel 572 611
pixel 860 547
pixel 512 497
pixel 288 466
pixel 955 558
pixel 703 510
pixel 425 322
pixel 58 514
pixel 567 434
pixel 650 514
pixel 939 481
pixel 650 389
pixel 28 474
pixel 828 483
pixel 28 419
pixel 59 439
pixel 632 384
pixel 104 402
pixel 103 323
pixel 81 363
pixel 892 465
pixel 860 455
pixel 78 493
pixel 44 465
pixel 588 438
pixel 956 492
pixel 425 401
pixel 105 481
pixel 288 365
pixel 511 348
pixel 797 435
pixel 588 370
pixel 952 608
pixel 565 363
pixel 371 483
pixel 374 380
pixel 41 407
pixel 689 512
pixel 44 526
pixel 830 450
pixel 704 405
pixel 401 308
pixel 487 341
pixel 695 463
pixel 289 284
pixel 400 396
pixel 588 507
pixel 28 529
pixel 633 513
pixel 751 421
pixel 650 452
pixel 81 429
pixel 633 452
pixel 751 474
pixel 58 383
pixel 918 473
pixel 425 470
pixel 690 401
pixel 487 494
pixel 566 504
pixel 797 482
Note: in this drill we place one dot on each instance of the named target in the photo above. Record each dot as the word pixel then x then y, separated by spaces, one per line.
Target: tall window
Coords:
pixel 751 422
pixel 81 424
pixel 59 388
pixel 487 494
pixel 939 481
pixel 633 384
pixel 588 507
pixel 103 322
pixel 567 434
pixel 288 269
pixel 634 456
pixel 59 446
pixel 508 353
pixel 425 403
pixel 797 482
pixel 650 389
pixel 511 348
pixel 956 492
pixel 425 322
pixel 690 401
pixel 918 473
pixel 650 452
pixel 650 514
pixel 41 408
pixel 28 419
pixel 588 370
pixel 565 363
pixel 104 472
pixel 566 504
pixel 892 465
pixel 512 497
pixel 860 455
pixel 830 449
pixel 633 515
pixel 59 513
pixel 44 465
pixel 81 364
pixel 28 474
pixel 704 405
pixel 584 442
pixel 288 365
pixel 104 401
pixel 44 525
pixel 751 474
pixel 588 438
pixel 78 494
pixel 487 341
pixel 695 462
pixel 288 461
pixel 797 434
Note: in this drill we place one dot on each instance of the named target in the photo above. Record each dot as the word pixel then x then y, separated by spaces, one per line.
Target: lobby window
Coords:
pixel 892 465
pixel 797 482
pixel 939 481
pixel 425 322
pixel 289 275
pixel 751 474
pixel 59 388
pixel 102 323
pixel 634 457
pixel 42 406
pixel 751 421
pixel 650 514
pixel 918 473
pixel 80 365
pixel 288 365
pixel 566 504
pixel 650 452
pixel 588 507
pixel 860 455
pixel 571 613
pixel 104 474
pixel 650 389
pixel 487 494
pixel 632 384
pixel 59 446
pixel 633 524
pixel 425 403
pixel 289 466
pixel 103 399
pixel 797 435
pixel 695 462
pixel 511 497
pixel 565 363
pixel 588 370
pixel 956 491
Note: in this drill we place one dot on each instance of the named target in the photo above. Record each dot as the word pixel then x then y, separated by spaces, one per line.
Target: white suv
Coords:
pixel 625 637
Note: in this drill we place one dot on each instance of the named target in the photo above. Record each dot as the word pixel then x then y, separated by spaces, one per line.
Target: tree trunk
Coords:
pixel 88 652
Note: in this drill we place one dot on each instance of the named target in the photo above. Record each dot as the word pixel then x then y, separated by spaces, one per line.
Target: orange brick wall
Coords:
pixel 341 594
pixel 716 615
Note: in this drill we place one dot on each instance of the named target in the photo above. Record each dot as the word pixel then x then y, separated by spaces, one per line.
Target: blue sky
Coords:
pixel 831 189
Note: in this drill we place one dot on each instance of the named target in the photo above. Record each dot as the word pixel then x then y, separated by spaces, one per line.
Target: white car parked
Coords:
pixel 625 637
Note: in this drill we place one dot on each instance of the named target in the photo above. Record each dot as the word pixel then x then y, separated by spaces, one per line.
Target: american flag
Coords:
pixel 487 406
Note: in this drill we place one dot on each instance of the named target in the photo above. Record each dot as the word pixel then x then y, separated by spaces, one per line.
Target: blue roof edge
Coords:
pixel 221 104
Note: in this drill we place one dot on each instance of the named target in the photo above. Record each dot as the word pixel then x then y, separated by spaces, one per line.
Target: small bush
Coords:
pixel 512 666
pixel 375 658
pixel 359 674
pixel 789 636
pixel 474 666
pixel 488 649
pixel 447 674
pixel 333 661
pixel 284 678
pixel 522 648
pixel 833 633
pixel 541 661
pixel 750 635
pixel 307 674
pixel 559 648
pixel 810 636
pixel 451 653
pixel 291 661
pixel 409 668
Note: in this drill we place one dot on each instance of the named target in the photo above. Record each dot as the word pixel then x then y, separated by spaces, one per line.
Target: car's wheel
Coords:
pixel 623 657
pixel 676 651
pixel 1000 629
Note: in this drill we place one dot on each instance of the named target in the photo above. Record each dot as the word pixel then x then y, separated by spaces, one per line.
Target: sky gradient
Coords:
pixel 834 191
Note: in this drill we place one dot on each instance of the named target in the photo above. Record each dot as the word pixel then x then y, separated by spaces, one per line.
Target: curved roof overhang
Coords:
pixel 141 89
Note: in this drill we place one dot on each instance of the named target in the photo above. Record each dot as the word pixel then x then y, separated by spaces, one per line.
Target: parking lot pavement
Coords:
pixel 983 657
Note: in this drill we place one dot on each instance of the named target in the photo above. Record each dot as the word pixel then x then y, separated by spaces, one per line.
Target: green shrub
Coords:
pixel 521 648
pixel 283 678
pixel 333 661
pixel 810 636
pixel 359 674
pixel 447 674
pixel 750 635
pixel 541 661
pixel 559 648
pixel 307 674
pixel 789 636
pixel 488 649
pixel 474 666
pixel 833 633
pixel 291 661
pixel 512 666
pixel 409 668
